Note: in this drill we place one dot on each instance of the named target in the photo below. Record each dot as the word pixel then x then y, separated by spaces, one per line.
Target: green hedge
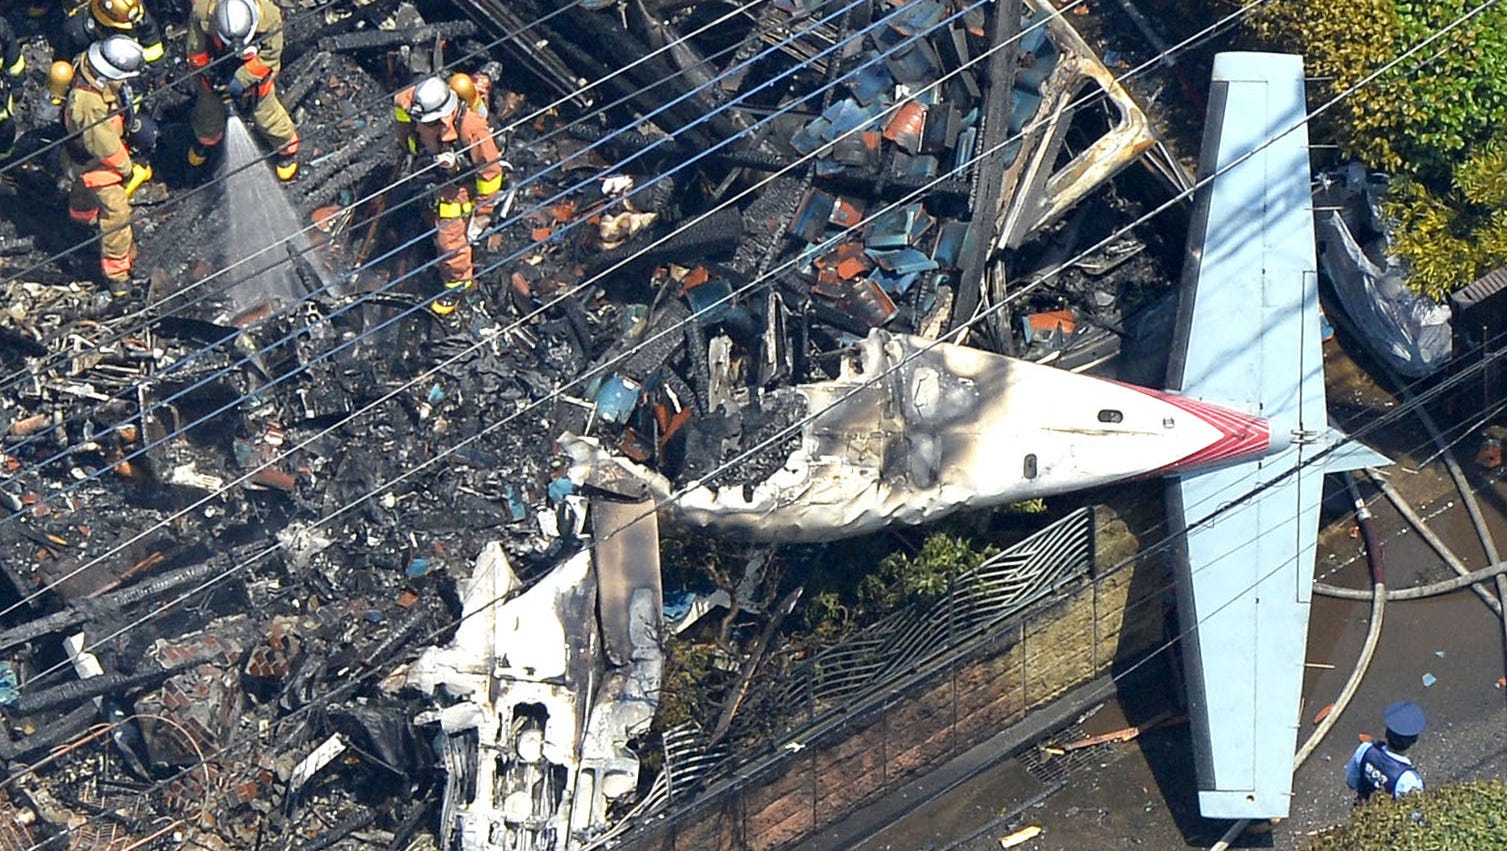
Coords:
pixel 1460 817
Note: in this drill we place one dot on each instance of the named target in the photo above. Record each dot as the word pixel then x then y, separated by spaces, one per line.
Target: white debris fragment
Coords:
pixel 187 476
pixel 318 758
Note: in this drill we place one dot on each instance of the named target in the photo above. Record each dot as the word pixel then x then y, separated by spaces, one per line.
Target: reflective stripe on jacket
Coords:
pixel 96 128
pixel 466 133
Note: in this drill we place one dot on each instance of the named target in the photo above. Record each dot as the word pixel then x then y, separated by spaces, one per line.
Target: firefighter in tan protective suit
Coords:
pixel 97 114
pixel 246 37
pixel 451 141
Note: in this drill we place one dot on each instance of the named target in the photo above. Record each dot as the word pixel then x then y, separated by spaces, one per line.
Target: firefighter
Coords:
pixel 97 19
pixel 440 132
pixel 14 65
pixel 89 22
pixel 97 115
pixel 246 37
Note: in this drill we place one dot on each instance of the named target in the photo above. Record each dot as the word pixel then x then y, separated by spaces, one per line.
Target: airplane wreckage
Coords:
pixel 824 299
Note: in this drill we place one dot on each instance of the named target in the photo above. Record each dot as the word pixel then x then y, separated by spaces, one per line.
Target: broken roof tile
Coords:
pixel 811 217
pixel 811 136
pixel 710 301
pixel 952 238
pixel 903 261
pixel 868 303
pixel 891 228
pixel 845 116
pixel 617 398
pixel 872 84
pixel 918 16
pixel 914 63
pixel 905 126
pixel 847 212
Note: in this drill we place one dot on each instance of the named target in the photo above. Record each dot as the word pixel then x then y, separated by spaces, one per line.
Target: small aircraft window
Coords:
pixel 1108 415
pixel 1030 466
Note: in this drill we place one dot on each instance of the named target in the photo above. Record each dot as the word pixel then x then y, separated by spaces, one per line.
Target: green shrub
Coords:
pixel 689 683
pixel 1419 116
pixel 924 576
pixel 1436 120
pixel 1449 239
pixel 1459 817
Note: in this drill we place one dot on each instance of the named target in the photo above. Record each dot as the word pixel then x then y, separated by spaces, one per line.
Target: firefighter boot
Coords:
pixel 450 299
pixel 286 166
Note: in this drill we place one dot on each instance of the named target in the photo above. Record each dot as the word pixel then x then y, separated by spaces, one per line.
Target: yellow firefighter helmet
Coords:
pixel 117 14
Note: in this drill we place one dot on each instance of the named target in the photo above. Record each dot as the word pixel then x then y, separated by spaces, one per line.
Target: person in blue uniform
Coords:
pixel 1386 766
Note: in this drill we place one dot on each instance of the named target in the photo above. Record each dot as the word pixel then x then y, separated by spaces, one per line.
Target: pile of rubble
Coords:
pixel 316 555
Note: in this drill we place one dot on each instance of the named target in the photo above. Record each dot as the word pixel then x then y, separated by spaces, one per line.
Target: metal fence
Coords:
pixel 880 656
pixel 850 711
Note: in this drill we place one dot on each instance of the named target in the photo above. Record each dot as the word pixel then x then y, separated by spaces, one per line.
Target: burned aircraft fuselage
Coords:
pixel 912 430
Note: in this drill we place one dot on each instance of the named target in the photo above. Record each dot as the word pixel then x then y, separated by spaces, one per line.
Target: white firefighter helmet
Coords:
pixel 433 100
pixel 236 22
pixel 116 58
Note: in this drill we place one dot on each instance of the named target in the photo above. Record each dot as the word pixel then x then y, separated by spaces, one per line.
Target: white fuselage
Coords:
pixel 949 426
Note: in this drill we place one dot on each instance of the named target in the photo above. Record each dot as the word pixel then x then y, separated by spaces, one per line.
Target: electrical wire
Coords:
pixel 182 363
pixel 369 407
pixel 30 372
pixel 158 92
pixel 164 84
pixel 305 366
pixel 598 370
pixel 755 449
pixel 421 237
pixel 382 101
pixel 1155 212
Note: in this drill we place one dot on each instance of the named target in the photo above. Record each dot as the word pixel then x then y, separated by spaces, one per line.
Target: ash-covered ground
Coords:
pixel 250 489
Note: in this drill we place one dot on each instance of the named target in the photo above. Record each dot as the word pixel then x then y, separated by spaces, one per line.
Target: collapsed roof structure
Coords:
pixel 238 515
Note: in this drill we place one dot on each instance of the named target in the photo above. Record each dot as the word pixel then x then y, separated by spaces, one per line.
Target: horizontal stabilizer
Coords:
pixel 1350 454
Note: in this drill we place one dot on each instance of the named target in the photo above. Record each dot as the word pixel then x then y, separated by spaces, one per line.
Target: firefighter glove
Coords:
pixel 236 87
pixel 447 160
pixel 139 174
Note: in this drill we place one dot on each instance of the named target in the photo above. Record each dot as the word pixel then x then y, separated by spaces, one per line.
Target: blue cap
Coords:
pixel 1405 718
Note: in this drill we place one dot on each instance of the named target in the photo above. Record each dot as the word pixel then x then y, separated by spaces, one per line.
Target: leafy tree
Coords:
pixel 689 684
pixel 1437 120
pixel 1460 817
pixel 1417 117
pixel 1449 239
